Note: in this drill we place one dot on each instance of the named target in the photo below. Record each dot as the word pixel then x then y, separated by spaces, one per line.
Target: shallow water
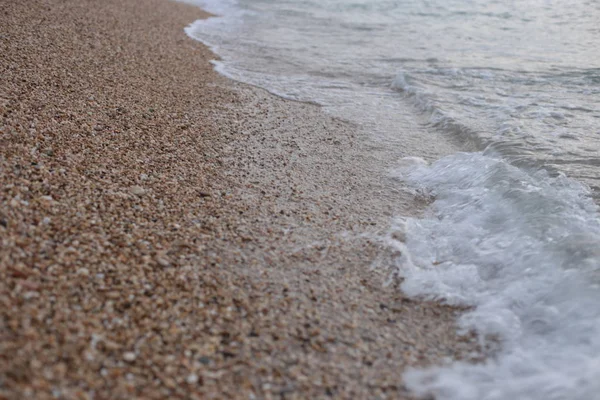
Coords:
pixel 521 75
pixel 514 229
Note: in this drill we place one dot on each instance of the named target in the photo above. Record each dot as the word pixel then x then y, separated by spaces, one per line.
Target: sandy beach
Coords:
pixel 167 233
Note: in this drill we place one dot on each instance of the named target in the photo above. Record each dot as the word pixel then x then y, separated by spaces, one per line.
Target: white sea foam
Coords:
pixel 523 250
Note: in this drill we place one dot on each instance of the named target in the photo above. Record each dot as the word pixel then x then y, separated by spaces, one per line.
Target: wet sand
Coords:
pixel 168 233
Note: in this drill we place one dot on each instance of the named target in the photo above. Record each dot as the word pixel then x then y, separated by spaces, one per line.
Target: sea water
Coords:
pixel 514 230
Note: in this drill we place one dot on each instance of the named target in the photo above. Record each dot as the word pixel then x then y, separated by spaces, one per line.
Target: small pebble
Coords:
pixel 138 190
pixel 163 262
pixel 30 295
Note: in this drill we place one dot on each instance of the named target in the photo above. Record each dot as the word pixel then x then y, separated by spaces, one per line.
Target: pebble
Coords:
pixel 163 261
pixel 46 201
pixel 138 190
pixel 30 295
pixel 129 356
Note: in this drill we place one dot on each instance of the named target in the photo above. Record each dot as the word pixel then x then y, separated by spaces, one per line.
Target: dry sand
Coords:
pixel 167 233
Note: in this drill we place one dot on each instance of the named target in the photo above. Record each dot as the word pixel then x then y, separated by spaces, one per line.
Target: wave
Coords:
pixel 521 249
pixel 426 103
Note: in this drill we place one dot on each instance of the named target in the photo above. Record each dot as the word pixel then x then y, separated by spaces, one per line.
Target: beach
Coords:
pixel 169 233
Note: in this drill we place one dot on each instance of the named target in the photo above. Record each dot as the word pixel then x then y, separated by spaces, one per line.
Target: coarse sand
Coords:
pixel 166 233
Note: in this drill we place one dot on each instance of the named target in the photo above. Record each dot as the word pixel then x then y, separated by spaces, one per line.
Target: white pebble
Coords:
pixel 129 356
pixel 138 190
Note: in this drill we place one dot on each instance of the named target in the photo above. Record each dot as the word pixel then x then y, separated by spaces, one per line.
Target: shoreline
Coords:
pixel 169 233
